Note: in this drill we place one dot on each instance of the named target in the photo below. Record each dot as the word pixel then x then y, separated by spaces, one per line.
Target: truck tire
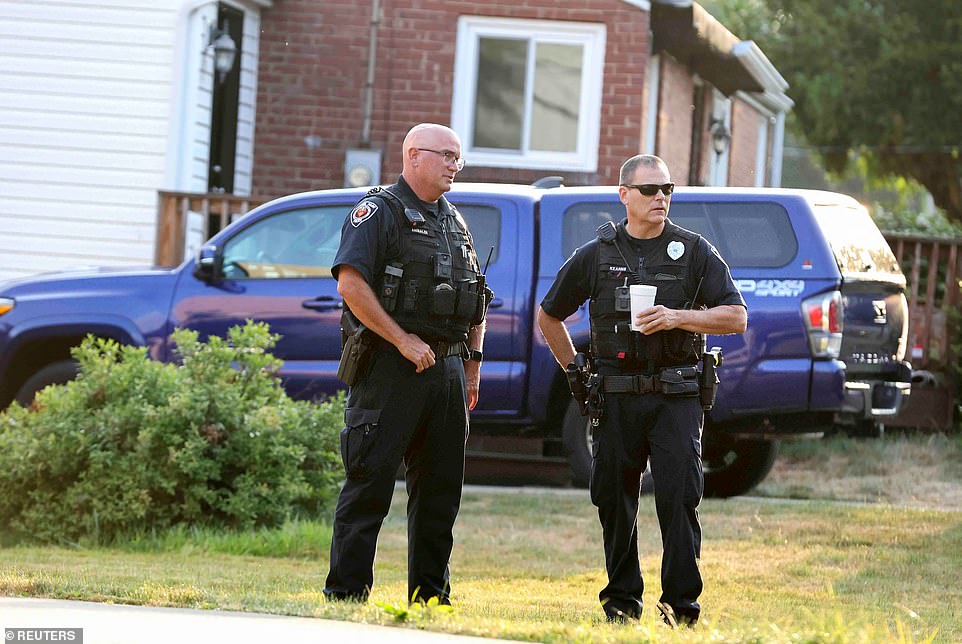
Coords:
pixel 55 373
pixel 577 442
pixel 733 467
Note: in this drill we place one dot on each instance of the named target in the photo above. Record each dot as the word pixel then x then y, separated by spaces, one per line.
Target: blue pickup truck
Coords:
pixel 825 342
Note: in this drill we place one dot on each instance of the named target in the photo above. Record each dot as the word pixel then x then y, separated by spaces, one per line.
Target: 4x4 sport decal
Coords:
pixel 771 288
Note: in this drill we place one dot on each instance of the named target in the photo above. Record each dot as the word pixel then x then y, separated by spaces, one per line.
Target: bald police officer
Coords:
pixel 645 399
pixel 408 271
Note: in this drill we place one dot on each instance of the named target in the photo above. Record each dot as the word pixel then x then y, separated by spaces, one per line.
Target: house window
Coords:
pixel 527 93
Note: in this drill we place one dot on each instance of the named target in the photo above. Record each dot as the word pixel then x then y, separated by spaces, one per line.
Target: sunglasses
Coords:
pixel 651 189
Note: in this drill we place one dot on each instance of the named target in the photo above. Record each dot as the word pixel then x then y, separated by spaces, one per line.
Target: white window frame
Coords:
pixel 591 36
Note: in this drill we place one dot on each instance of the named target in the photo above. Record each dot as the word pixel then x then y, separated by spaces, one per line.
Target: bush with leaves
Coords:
pixel 135 445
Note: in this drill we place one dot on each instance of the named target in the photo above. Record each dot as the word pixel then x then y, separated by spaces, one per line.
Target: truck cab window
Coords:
pixel 293 244
pixel 484 222
pixel 755 234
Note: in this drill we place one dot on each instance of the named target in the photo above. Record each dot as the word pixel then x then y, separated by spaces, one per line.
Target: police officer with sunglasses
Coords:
pixel 643 394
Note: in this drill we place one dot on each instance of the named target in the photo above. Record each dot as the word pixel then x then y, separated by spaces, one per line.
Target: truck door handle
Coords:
pixel 496 303
pixel 323 303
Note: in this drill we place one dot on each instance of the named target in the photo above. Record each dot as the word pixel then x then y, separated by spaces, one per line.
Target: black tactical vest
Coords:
pixel 667 267
pixel 431 286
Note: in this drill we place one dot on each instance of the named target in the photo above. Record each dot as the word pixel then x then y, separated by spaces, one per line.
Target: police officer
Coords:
pixel 408 271
pixel 644 398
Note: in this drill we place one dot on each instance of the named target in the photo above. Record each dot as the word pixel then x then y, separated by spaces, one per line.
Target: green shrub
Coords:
pixel 135 445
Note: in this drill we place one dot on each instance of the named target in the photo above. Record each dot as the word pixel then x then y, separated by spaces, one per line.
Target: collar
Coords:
pixel 622 228
pixel 408 195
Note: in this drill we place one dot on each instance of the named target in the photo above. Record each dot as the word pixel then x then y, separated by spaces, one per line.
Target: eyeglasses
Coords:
pixel 448 157
pixel 651 189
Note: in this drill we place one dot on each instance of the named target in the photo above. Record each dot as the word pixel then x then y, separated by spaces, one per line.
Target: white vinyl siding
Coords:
pixel 103 103
pixel 244 155
pixel 199 77
pixel 83 131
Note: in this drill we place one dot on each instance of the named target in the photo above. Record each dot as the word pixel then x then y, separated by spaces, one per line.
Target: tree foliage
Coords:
pixel 882 78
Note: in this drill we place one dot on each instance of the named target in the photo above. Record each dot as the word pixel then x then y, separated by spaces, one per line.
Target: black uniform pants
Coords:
pixel 394 413
pixel 634 429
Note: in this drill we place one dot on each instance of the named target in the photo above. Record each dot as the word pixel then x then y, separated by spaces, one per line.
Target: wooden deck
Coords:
pixel 933 269
pixel 217 210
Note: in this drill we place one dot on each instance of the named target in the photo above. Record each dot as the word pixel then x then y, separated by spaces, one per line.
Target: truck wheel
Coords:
pixel 577 442
pixel 734 467
pixel 55 373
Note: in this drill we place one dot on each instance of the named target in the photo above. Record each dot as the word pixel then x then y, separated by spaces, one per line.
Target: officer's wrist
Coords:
pixel 475 355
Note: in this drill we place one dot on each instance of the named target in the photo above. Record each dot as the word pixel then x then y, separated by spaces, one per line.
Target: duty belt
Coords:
pixel 637 384
pixel 444 349
pixel 441 348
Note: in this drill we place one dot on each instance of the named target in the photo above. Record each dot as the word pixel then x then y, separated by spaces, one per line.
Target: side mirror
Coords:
pixel 209 263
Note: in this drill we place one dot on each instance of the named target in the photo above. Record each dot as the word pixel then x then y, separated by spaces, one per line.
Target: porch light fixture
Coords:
pixel 225 50
pixel 720 136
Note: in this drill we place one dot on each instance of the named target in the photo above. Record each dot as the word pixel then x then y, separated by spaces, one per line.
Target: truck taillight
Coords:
pixel 823 320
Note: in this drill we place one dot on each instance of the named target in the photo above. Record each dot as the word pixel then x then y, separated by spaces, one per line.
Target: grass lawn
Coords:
pixel 528 565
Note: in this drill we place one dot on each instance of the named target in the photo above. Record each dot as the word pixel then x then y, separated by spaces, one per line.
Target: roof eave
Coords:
pixel 693 36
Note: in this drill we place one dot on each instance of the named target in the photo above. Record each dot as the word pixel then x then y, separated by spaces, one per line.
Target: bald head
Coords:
pixel 424 165
pixel 422 132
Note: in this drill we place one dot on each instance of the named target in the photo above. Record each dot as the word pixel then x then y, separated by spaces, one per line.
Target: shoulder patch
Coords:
pixel 362 212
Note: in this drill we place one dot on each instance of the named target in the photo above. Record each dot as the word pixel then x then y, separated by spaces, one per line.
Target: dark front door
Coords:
pixel 223 122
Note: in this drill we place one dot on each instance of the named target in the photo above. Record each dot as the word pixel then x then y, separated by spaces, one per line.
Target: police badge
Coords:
pixel 676 249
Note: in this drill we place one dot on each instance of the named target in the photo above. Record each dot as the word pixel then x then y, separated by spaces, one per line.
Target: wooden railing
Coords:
pixel 933 269
pixel 176 210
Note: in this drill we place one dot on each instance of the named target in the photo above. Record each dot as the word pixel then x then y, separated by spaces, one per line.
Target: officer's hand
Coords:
pixel 472 377
pixel 417 351
pixel 658 318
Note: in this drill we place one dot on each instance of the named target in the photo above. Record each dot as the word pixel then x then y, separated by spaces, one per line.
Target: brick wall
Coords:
pixel 744 145
pixel 673 138
pixel 313 69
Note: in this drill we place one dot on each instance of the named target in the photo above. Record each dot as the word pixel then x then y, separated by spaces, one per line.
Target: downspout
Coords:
pixel 369 85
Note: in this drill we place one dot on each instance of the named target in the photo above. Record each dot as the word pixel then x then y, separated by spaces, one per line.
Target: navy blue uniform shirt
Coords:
pixel 572 286
pixel 370 232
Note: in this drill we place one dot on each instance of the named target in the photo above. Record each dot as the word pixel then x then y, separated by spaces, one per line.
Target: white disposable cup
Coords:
pixel 642 297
